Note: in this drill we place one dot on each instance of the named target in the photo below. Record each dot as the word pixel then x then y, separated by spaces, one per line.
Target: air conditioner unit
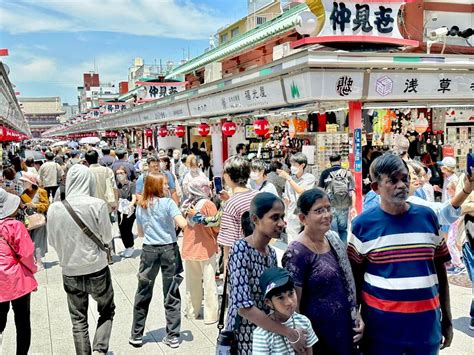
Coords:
pixel 281 51
pixel 212 72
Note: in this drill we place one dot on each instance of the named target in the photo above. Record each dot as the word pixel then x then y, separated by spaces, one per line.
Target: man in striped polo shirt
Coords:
pixel 398 257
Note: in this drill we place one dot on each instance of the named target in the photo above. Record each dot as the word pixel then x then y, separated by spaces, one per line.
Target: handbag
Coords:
pixel 102 246
pixel 226 340
pixel 35 221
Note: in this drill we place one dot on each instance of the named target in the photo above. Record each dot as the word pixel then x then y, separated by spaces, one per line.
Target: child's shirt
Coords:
pixel 265 342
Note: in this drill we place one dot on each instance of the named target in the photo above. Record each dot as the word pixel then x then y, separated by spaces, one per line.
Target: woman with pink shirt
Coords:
pixel 17 268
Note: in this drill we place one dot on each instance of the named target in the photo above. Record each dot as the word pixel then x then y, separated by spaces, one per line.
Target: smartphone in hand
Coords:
pixel 218 184
pixel 470 164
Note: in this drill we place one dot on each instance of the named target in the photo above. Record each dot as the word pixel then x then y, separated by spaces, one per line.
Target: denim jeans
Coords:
pixel 340 218
pixel 468 254
pixel 78 289
pixel 21 310
pixel 153 258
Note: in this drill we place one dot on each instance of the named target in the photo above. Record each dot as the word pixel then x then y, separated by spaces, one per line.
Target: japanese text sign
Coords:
pixel 361 18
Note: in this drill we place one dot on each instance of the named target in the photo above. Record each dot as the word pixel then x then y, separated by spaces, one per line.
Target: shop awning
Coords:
pixel 10 135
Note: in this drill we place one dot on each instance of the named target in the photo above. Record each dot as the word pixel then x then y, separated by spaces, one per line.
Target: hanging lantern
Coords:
pixel 180 131
pixel 163 131
pixel 229 128
pixel 261 127
pixel 204 129
pixel 421 124
pixel 149 133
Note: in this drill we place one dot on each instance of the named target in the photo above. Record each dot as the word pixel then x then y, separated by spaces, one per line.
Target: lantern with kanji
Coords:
pixel 261 127
pixel 204 129
pixel 163 131
pixel 229 128
pixel 180 131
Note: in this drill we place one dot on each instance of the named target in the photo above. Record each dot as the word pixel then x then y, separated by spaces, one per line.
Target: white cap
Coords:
pixel 448 162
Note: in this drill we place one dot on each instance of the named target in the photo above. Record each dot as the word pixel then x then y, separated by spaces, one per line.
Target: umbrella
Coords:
pixel 89 140
pixel 57 144
pixel 72 144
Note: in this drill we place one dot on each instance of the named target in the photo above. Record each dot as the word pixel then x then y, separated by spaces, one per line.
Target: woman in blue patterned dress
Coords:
pixel 248 259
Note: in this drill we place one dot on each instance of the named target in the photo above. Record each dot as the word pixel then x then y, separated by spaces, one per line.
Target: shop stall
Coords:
pixel 317 102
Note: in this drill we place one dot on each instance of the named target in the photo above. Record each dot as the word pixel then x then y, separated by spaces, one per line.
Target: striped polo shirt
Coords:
pixel 231 226
pixel 265 342
pixel 397 255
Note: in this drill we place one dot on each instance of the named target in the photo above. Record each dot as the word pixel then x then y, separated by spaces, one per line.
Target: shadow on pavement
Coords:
pixel 462 324
pixel 158 335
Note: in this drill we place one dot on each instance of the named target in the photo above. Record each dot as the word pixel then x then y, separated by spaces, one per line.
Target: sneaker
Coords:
pixel 456 270
pixel 128 253
pixel 471 325
pixel 136 342
pixel 171 341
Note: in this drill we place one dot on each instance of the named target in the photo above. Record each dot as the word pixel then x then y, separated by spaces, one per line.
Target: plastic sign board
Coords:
pixel 384 85
pixel 371 21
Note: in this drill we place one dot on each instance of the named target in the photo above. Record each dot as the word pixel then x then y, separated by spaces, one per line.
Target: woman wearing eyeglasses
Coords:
pixel 317 260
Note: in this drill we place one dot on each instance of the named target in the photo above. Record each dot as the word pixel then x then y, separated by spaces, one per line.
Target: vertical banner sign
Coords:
pixel 358 150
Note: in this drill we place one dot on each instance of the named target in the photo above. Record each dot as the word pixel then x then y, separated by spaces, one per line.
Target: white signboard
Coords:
pixel 155 91
pixel 324 85
pixel 247 98
pixel 419 85
pixel 361 18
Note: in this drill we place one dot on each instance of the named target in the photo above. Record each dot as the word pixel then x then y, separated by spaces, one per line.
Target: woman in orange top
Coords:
pixel 199 253
pixel 36 200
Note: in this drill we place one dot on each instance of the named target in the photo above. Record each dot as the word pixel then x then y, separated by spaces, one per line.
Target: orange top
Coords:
pixel 199 241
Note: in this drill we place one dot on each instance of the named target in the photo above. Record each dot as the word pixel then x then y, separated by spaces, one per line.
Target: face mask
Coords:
pixel 294 170
pixel 122 178
pixel 163 166
pixel 254 175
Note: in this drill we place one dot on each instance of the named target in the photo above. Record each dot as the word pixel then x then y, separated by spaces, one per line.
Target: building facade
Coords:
pixel 42 113
pixel 93 91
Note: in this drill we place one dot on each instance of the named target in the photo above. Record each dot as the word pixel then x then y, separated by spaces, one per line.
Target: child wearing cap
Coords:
pixel 280 297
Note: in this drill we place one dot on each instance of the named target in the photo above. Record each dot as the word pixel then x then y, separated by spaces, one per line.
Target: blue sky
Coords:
pixel 52 42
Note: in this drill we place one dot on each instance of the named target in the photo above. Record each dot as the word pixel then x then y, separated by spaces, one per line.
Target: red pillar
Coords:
pixel 225 143
pixel 355 158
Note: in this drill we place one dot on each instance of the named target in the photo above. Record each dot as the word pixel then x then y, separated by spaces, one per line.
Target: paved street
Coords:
pixel 51 325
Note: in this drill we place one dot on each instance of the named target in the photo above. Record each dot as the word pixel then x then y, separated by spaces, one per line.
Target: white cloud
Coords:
pixel 161 18
pixel 29 69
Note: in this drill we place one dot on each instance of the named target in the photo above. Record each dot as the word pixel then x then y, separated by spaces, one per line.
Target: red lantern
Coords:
pixel 204 129
pixel 163 131
pixel 229 128
pixel 149 133
pixel 261 127
pixel 180 131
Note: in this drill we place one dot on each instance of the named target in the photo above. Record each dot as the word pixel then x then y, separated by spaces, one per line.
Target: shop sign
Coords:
pixel 107 108
pixel 371 21
pixel 257 96
pixel 155 91
pixel 324 85
pixel 420 85
pixel 358 150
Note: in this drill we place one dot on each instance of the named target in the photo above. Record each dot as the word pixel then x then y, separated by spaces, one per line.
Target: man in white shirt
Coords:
pixel 50 174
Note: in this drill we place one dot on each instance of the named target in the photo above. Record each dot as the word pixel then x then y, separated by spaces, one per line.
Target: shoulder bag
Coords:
pixel 227 340
pixel 102 246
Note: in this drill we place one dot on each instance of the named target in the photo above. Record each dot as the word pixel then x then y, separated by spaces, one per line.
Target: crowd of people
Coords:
pixel 373 283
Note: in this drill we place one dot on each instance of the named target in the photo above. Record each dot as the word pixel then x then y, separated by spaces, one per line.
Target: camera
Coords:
pixel 442 31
